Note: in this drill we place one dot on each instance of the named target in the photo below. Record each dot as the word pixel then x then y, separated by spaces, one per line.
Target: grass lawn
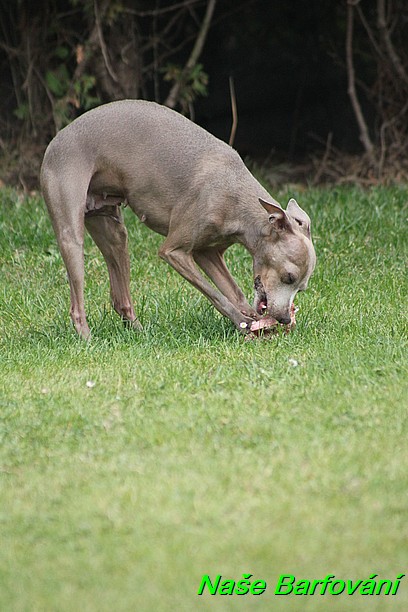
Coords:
pixel 133 465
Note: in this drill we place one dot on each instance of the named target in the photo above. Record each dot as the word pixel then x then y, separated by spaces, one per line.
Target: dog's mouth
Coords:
pixel 262 306
pixel 261 300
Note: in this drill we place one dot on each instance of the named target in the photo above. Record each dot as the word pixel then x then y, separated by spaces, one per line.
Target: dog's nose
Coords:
pixel 284 320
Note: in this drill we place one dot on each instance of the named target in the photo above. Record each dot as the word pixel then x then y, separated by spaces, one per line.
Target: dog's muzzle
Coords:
pixel 260 300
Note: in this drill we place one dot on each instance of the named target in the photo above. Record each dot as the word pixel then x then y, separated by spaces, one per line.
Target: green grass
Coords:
pixel 133 465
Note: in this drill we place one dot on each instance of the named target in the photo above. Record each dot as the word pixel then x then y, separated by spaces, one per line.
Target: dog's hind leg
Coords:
pixel 110 235
pixel 66 209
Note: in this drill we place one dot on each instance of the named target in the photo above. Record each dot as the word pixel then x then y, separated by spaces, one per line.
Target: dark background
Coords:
pixel 287 59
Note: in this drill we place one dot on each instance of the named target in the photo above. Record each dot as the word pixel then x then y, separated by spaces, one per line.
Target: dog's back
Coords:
pixel 140 137
pixel 151 156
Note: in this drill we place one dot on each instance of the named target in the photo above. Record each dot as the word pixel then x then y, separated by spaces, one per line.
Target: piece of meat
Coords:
pixel 263 324
pixel 268 325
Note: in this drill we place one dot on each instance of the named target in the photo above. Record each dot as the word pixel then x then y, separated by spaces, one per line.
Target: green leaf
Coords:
pixel 58 80
pixel 21 112
pixel 61 52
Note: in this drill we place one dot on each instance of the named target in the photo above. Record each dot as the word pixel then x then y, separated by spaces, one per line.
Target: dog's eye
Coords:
pixel 288 279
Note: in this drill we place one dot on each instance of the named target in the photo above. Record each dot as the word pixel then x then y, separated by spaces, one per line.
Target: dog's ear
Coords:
pixel 277 216
pixel 302 219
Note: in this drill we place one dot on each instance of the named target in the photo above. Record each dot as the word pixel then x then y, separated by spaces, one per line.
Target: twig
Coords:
pixel 234 112
pixel 325 157
pixel 364 136
pixel 321 141
pixel 49 96
pixel 382 26
pixel 102 44
pixel 161 11
pixel 155 62
pixel 173 96
pixel 27 85
pixel 173 50
pixel 384 127
pixel 90 46
pixel 369 31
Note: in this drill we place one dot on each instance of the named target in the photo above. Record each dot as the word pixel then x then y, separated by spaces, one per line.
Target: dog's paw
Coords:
pixel 134 325
pixel 245 324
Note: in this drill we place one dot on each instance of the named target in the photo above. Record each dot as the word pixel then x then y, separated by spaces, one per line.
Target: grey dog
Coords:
pixel 185 184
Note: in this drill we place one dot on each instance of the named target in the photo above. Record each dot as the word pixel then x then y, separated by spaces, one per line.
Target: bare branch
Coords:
pixel 382 26
pixel 173 96
pixel 234 112
pixel 323 163
pixel 102 44
pixel 90 45
pixel 161 11
pixel 364 136
pixel 384 127
pixel 369 31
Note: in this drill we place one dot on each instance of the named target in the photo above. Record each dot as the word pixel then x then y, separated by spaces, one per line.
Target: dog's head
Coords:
pixel 284 260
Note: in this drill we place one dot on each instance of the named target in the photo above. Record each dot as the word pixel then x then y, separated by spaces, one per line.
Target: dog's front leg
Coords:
pixel 184 264
pixel 212 262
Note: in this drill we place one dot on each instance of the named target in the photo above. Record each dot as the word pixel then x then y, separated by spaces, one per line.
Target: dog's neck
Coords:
pixel 252 219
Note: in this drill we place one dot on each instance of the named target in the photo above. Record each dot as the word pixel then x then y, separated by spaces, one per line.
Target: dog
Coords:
pixel 184 183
